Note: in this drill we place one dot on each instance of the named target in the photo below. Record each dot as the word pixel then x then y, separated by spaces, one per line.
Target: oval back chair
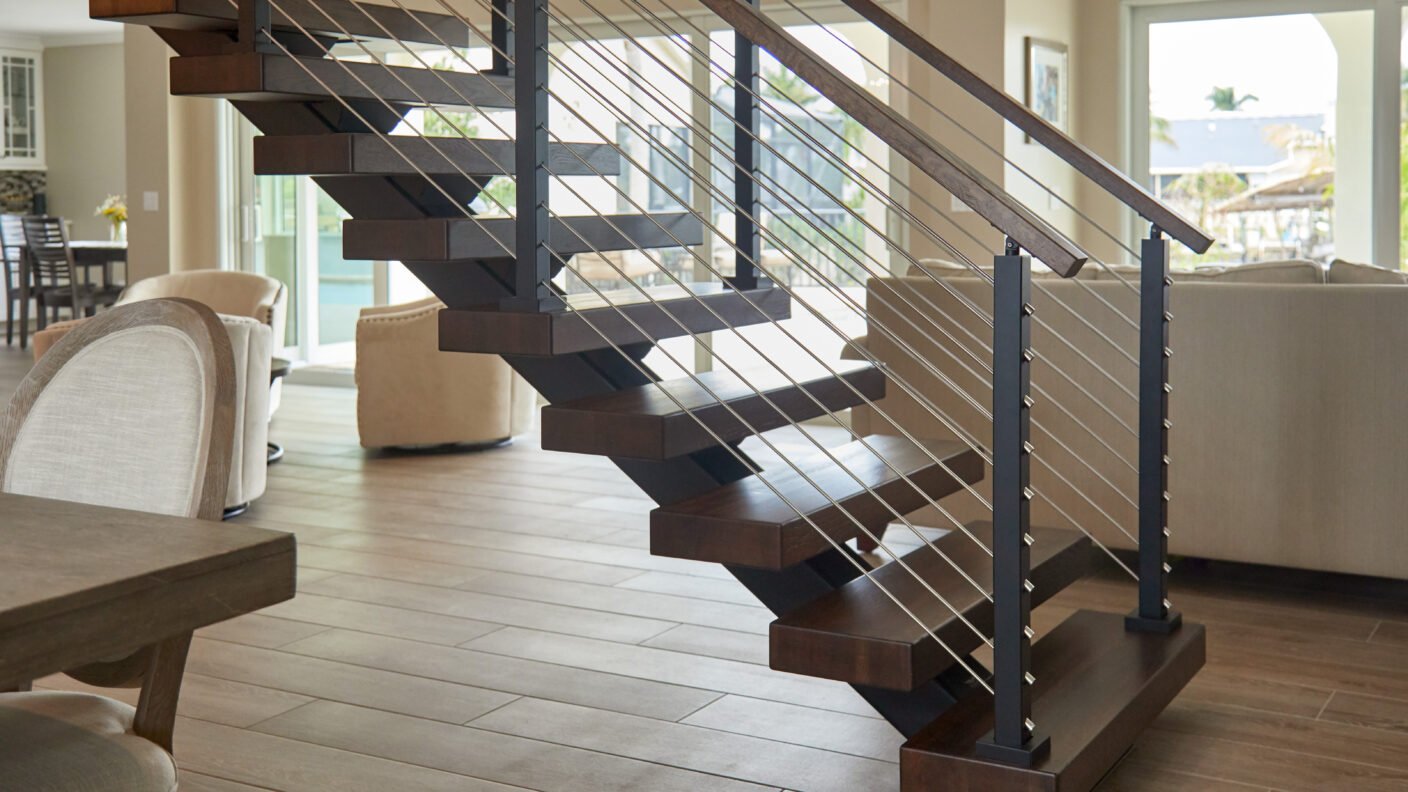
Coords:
pixel 134 410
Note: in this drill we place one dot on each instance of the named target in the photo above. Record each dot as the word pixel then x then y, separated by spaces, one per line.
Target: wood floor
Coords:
pixel 495 622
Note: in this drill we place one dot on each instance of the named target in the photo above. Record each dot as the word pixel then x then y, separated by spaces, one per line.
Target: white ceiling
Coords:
pixel 53 22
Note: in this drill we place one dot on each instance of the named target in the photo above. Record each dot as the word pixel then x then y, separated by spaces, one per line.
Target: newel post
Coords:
pixel 1153 613
pixel 1013 739
pixel 747 154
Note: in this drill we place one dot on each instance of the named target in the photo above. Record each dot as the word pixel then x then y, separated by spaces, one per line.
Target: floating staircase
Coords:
pixel 902 634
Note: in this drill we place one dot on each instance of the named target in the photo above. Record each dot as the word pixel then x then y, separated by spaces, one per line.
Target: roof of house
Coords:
pixel 1235 139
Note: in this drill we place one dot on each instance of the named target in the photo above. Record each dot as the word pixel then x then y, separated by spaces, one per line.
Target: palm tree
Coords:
pixel 1161 131
pixel 1226 99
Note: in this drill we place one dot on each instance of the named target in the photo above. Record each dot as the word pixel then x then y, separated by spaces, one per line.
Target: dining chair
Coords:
pixel 55 276
pixel 12 246
pixel 149 389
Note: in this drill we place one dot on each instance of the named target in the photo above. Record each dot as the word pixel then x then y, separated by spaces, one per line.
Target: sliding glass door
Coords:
pixel 292 231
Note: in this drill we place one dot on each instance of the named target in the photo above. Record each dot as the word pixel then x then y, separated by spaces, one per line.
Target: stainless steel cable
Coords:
pixel 801 473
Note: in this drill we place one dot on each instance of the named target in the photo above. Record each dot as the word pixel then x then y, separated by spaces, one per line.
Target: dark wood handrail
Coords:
pixel 999 208
pixel 1130 193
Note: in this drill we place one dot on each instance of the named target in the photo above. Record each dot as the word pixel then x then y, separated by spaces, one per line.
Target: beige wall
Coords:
pixel 174 152
pixel 85 137
pixel 1098 102
pixel 1051 20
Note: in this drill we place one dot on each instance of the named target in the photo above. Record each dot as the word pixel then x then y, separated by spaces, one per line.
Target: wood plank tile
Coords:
pixel 271 762
pixel 856 735
pixel 261 629
pixel 485 754
pixel 203 697
pixel 691 586
pixel 692 747
pixel 198 782
pixel 505 610
pixel 318 678
pixel 1263 767
pixel 665 607
pixel 511 675
pixel 1392 633
pixel 412 570
pixel 1369 711
pixel 486 558
pixel 379 619
pixel 709 642
pixel 724 676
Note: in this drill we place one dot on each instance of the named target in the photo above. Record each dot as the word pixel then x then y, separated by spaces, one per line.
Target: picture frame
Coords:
pixel 1048 82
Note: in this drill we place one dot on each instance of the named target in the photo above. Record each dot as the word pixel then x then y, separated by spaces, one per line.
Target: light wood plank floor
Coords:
pixel 495 621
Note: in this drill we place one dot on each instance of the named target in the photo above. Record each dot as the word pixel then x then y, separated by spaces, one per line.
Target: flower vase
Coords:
pixel 119 232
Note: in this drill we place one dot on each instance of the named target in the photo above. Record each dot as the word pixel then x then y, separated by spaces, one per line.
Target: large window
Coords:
pixel 1277 125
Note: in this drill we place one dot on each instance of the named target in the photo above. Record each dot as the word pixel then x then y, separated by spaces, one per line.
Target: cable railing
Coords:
pixel 525 39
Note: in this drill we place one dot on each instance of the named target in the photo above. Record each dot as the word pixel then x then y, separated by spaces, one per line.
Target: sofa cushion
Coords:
pixel 1292 271
pixel 1342 271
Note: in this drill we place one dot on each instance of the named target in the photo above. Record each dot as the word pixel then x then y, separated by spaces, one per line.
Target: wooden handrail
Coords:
pixel 1130 193
pixel 971 187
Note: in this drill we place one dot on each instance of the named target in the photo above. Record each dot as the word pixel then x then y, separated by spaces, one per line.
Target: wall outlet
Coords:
pixel 151 201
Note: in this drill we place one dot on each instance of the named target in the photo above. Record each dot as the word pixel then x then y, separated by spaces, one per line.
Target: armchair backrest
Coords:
pixel 12 244
pixel 226 292
pixel 133 409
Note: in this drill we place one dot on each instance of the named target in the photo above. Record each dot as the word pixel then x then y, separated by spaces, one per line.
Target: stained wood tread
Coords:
pixel 659 313
pixel 663 421
pixel 348 154
pixel 1097 687
pixel 857 634
pixel 747 524
pixel 262 77
pixel 456 238
pixel 221 16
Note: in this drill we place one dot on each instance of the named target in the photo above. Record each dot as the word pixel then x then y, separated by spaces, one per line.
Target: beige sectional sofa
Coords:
pixel 1289 443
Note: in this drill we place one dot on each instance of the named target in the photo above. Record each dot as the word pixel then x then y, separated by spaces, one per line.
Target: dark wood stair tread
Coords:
pixel 649 423
pixel 455 238
pixel 580 329
pixel 262 77
pixel 857 634
pixel 347 154
pixel 747 524
pixel 221 16
pixel 1097 687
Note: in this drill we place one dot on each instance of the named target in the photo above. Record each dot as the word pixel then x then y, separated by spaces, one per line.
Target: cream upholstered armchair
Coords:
pixel 253 309
pixel 410 394
pixel 149 388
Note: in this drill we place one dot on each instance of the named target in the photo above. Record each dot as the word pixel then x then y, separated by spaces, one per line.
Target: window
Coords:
pixel 21 131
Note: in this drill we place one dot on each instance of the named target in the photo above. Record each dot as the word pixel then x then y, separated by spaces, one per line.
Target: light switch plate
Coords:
pixel 151 201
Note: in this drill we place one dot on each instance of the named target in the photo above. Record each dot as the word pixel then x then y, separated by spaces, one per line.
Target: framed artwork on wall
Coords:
pixel 1049 82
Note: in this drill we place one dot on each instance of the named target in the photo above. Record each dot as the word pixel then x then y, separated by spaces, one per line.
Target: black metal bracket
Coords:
pixel 256 26
pixel 1012 739
pixel 1153 614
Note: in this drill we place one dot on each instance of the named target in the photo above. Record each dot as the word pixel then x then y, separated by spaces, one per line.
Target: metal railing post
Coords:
pixel 256 20
pixel 747 85
pixel 1013 739
pixel 1153 613
pixel 501 34
pixel 533 267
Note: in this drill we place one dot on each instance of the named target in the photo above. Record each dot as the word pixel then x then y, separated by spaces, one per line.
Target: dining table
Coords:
pixel 80 583
pixel 88 254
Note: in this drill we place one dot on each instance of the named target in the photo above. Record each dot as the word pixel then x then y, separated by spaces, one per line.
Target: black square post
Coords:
pixel 256 25
pixel 533 268
pixel 1153 614
pixel 747 116
pixel 1013 739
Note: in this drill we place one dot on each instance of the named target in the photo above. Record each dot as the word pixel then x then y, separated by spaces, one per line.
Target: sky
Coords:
pixel 1287 61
